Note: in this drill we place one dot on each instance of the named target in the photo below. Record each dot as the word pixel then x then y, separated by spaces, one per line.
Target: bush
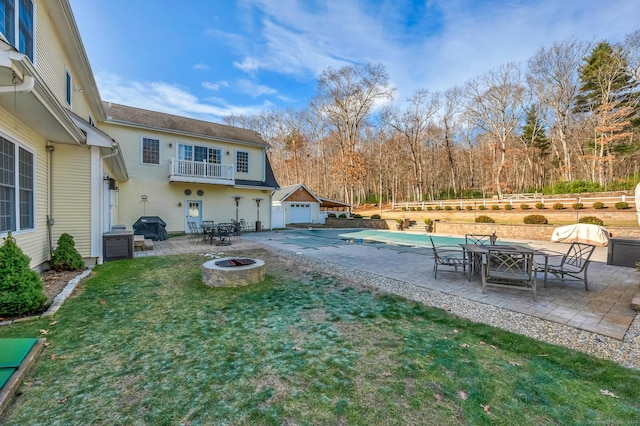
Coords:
pixel 524 206
pixel 484 219
pixel 535 219
pixel 413 209
pixel 419 208
pixel 404 209
pixel 622 205
pixel 591 220
pixel 495 207
pixel 66 257
pixel 447 207
pixel 508 207
pixel 428 221
pixel 438 208
pixel 577 206
pixel 558 206
pixel 331 215
pixel 598 205
pixel 356 216
pixel 342 216
pixel 429 208
pixel 375 216
pixel 20 287
pixel 458 208
pixel 482 207
pixel 469 208
pixel 540 205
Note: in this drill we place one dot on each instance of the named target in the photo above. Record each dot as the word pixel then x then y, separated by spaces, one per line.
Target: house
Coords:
pixel 52 158
pixel 70 163
pixel 186 170
pixel 298 204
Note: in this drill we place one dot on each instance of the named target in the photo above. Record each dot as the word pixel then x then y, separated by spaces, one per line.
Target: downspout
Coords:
pixel 50 197
pixel 26 86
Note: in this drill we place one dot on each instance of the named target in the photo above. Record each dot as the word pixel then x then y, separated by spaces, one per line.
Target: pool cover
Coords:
pixel 12 352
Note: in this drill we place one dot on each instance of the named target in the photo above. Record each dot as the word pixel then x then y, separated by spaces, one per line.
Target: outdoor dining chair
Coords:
pixel 509 269
pixel 448 256
pixel 574 264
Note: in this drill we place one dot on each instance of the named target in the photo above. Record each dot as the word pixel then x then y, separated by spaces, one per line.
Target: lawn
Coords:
pixel 145 342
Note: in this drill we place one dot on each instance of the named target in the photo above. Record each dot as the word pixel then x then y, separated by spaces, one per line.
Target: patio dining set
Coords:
pixel 512 265
pixel 220 234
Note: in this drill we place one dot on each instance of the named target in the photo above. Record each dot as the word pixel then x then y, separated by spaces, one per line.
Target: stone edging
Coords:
pixel 57 302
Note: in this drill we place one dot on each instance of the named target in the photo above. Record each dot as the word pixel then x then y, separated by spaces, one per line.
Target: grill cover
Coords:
pixel 152 227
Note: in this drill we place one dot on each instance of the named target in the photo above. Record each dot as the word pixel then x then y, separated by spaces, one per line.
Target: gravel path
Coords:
pixel 625 352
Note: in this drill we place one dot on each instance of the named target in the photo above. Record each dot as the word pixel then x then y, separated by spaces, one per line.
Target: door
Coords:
pixel 300 213
pixel 193 213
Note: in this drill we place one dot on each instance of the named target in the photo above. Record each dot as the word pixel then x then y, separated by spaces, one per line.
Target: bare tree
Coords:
pixel 411 124
pixel 553 78
pixel 494 104
pixel 453 106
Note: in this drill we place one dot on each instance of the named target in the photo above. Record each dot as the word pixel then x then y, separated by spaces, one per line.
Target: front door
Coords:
pixel 193 213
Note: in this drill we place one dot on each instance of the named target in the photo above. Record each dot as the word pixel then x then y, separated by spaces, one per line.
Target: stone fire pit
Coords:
pixel 232 272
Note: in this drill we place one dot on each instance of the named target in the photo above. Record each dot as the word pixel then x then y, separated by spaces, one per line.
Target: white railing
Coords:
pixel 200 169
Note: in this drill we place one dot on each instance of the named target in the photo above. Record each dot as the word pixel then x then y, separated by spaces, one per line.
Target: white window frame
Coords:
pixel 246 160
pixel 191 149
pixel 142 151
pixel 14 39
pixel 16 222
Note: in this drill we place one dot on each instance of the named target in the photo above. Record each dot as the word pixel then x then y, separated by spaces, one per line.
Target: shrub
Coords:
pixel 375 216
pixel 469 208
pixel 65 257
pixel 458 208
pixel 540 205
pixel 342 216
pixel 524 206
pixel 331 215
pixel 20 287
pixel 621 205
pixel 419 208
pixel 438 208
pixel 598 205
pixel 495 207
pixel 482 207
pixel 399 221
pixel 447 207
pixel 429 208
pixel 356 216
pixel 413 209
pixel 591 220
pixel 484 219
pixel 508 207
pixel 428 221
pixel 404 209
pixel 558 206
pixel 577 206
pixel 535 219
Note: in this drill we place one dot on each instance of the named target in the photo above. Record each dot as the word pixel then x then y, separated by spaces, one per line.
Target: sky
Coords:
pixel 208 59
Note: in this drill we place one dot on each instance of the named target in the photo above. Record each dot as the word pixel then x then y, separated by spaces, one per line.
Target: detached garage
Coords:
pixel 294 204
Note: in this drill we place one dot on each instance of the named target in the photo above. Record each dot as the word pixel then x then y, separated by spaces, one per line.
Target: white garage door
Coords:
pixel 300 213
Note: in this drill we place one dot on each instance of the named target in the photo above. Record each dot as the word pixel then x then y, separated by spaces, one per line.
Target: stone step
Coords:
pixel 635 302
pixel 148 244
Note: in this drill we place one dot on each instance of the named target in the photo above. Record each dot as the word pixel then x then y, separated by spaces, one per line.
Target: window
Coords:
pixel 150 151
pixel 199 153
pixel 16 187
pixel 242 162
pixel 16 25
pixel 68 88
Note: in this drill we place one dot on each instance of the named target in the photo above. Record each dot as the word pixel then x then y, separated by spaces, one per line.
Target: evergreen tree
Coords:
pixel 533 132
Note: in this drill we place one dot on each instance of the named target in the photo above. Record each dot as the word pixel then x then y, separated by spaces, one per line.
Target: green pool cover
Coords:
pixel 12 352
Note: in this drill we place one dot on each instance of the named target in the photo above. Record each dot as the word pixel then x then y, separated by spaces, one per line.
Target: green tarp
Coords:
pixel 12 352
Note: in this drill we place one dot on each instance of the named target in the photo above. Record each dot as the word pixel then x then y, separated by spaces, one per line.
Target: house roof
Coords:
pixel 268 183
pixel 325 202
pixel 137 117
pixel 283 193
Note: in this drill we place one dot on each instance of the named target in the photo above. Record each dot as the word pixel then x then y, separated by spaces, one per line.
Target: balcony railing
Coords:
pixel 201 172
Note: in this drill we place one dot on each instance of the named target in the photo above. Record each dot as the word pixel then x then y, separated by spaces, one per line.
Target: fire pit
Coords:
pixel 232 272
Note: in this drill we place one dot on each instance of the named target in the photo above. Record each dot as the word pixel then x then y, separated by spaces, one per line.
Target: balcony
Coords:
pixel 201 172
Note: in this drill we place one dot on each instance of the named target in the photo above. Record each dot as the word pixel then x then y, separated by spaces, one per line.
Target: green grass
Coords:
pixel 145 342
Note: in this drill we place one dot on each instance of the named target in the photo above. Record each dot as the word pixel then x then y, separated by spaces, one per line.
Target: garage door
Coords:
pixel 300 213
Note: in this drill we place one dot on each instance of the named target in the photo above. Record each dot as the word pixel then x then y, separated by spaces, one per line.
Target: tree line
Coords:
pixel 571 113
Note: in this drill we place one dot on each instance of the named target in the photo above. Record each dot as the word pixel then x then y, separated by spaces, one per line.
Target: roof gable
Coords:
pixel 298 192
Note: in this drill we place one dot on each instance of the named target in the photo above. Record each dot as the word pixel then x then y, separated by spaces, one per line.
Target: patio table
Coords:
pixel 476 254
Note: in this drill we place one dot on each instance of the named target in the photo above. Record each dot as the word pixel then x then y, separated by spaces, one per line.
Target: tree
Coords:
pixel 344 99
pixel 20 287
pixel 535 140
pixel 553 78
pixel 495 105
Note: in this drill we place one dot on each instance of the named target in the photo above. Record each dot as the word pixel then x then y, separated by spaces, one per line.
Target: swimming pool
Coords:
pixel 401 238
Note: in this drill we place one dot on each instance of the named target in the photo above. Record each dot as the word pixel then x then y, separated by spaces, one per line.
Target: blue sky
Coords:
pixel 210 58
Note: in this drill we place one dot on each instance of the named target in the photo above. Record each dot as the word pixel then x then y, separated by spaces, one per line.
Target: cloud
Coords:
pixel 169 98
pixel 249 65
pixel 201 67
pixel 215 86
pixel 254 89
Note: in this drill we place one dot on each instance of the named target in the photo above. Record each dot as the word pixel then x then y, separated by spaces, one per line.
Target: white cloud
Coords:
pixel 215 86
pixel 254 89
pixel 168 98
pixel 201 67
pixel 248 65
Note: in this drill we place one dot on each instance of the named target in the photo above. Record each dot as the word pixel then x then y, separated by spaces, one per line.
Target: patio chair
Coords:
pixel 477 238
pixel 509 269
pixel 574 264
pixel 194 233
pixel 447 255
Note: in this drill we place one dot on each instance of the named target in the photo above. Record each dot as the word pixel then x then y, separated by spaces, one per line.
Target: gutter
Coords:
pixel 26 86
